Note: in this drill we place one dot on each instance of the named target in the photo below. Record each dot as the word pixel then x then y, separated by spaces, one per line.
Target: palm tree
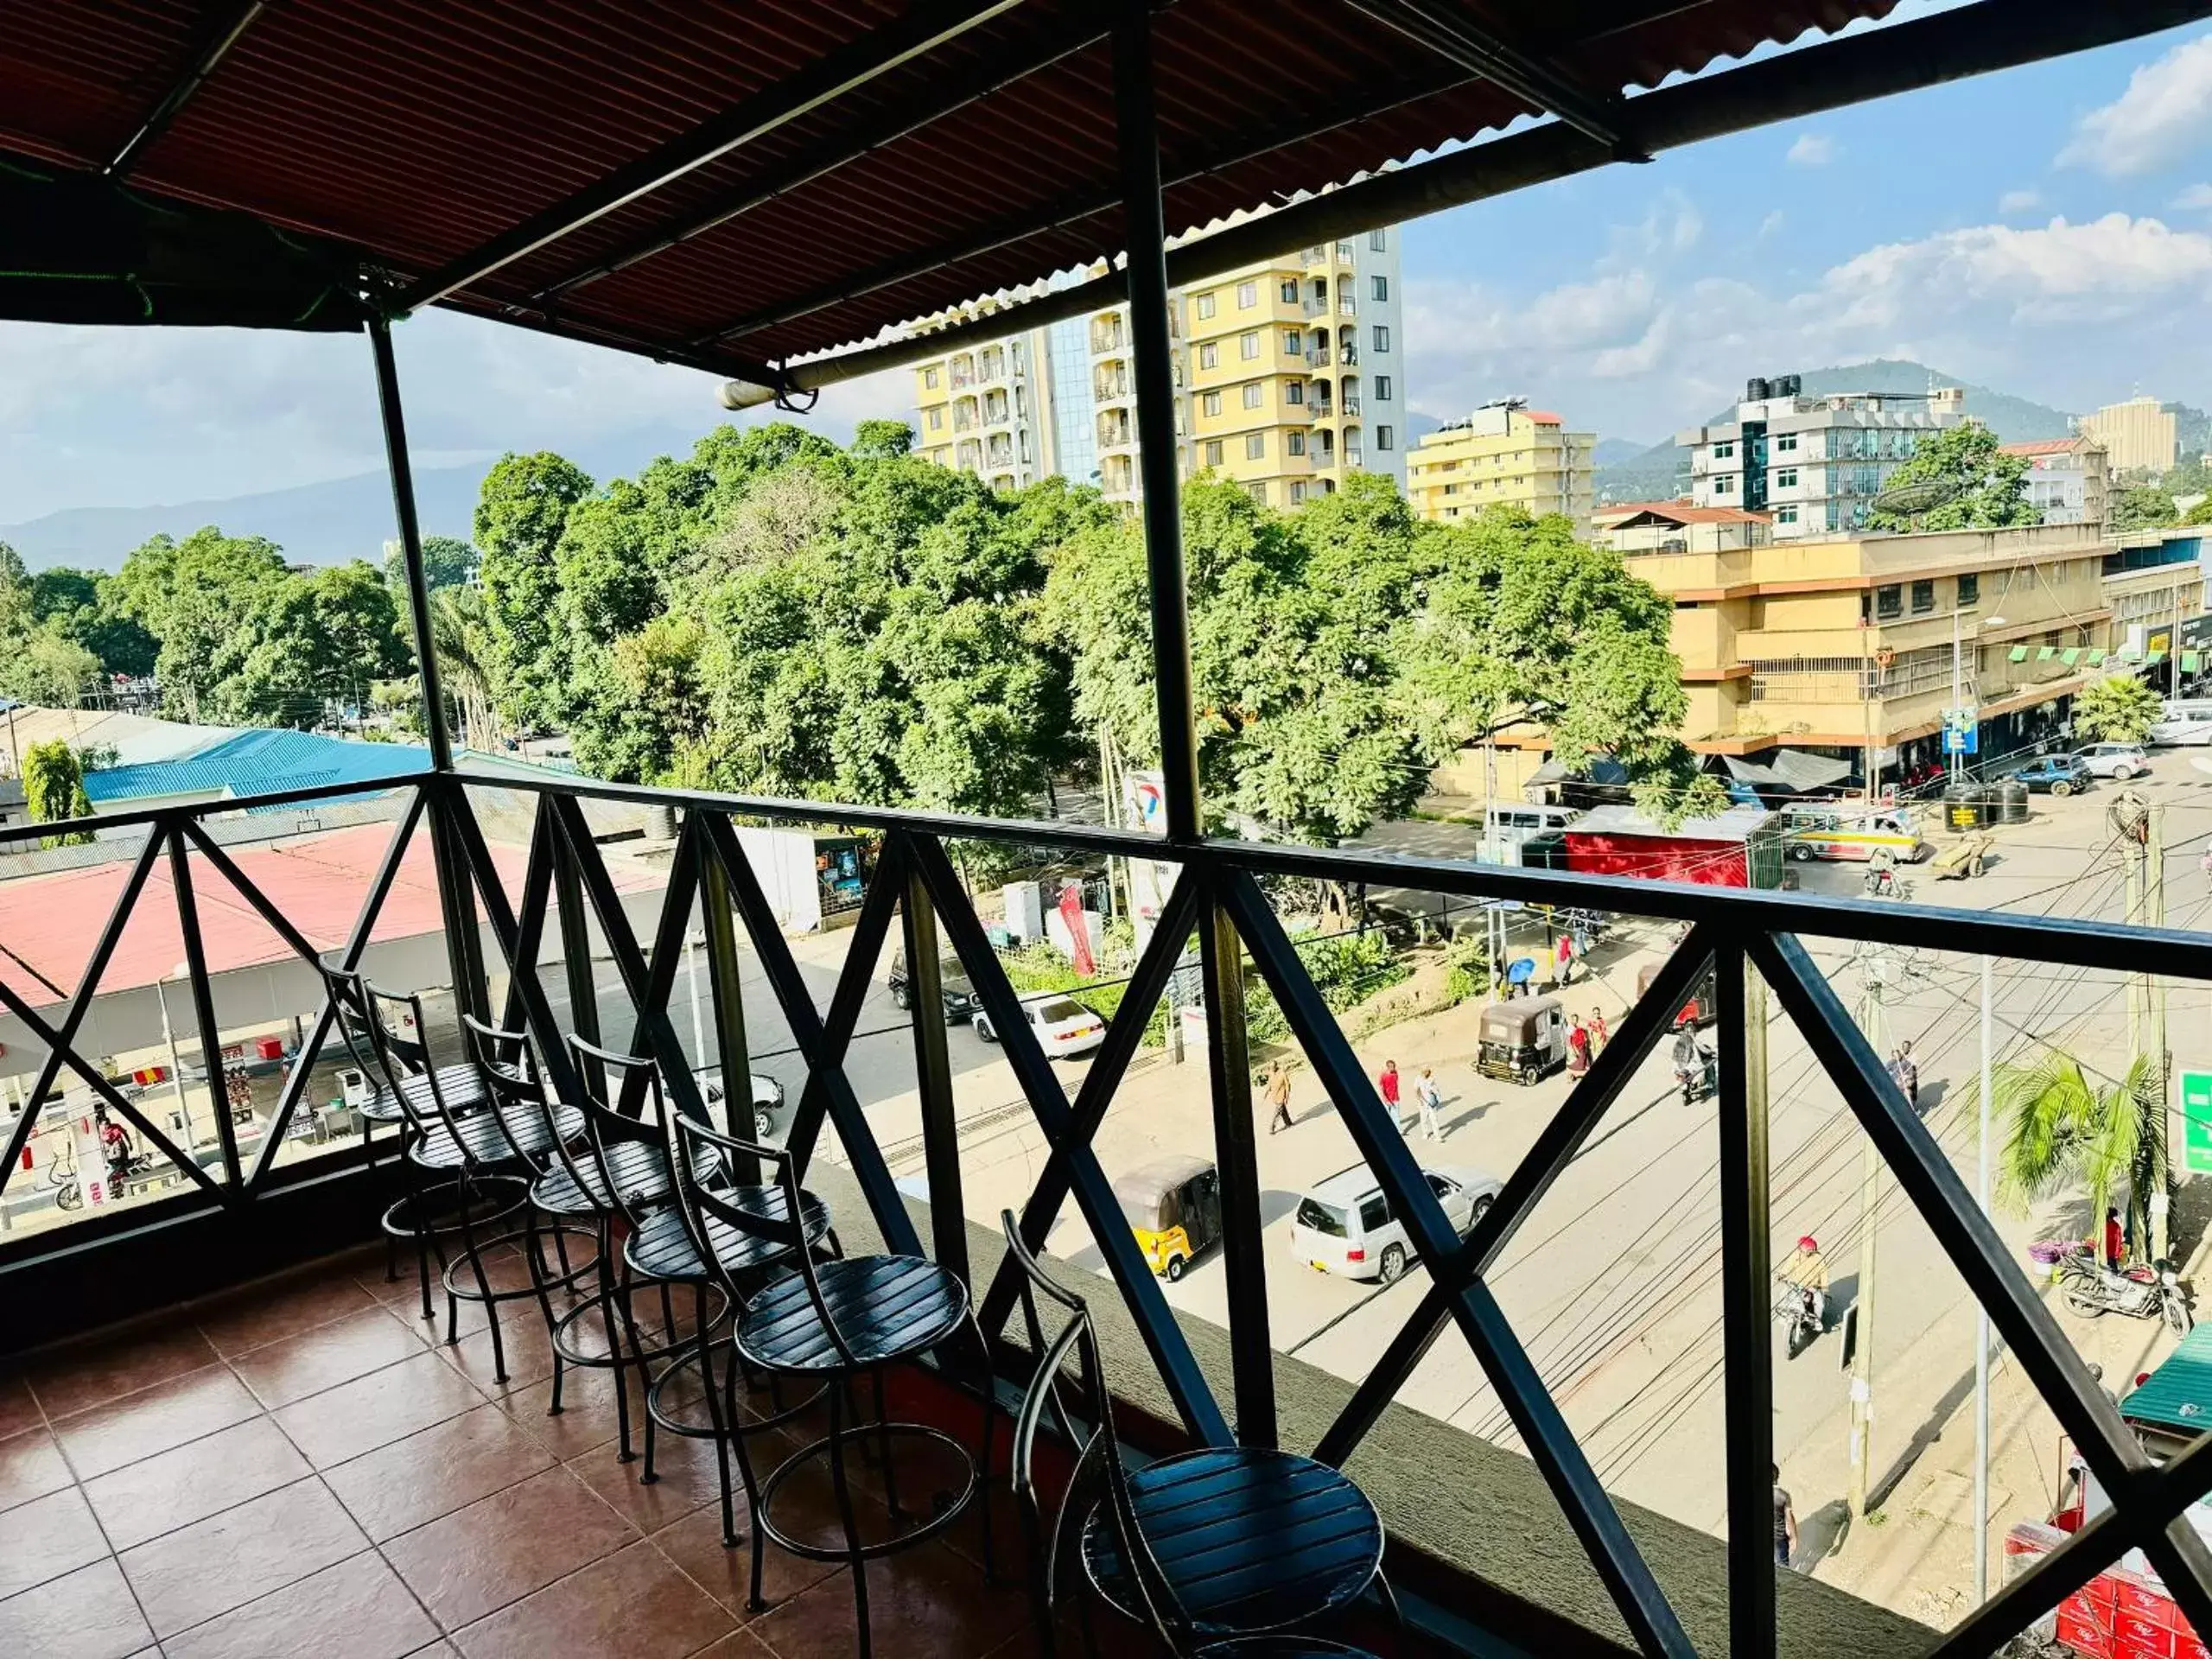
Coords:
pixel 456 635
pixel 2063 1131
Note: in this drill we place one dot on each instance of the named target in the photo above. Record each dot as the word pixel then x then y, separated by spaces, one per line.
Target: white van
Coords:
pixel 2189 722
pixel 1343 1224
pixel 1506 830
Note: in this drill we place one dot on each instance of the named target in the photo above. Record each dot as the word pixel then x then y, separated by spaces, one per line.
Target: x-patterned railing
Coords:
pixel 1753 943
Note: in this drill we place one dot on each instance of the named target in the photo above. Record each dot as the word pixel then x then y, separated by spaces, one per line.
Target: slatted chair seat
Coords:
pixel 887 1308
pixel 481 1140
pixel 640 1172
pixel 1250 1540
pixel 1289 1646
pixel 661 1246
pixel 462 1086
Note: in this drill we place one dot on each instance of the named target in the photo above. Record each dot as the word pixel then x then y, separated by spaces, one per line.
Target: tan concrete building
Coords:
pixel 1841 644
pixel 1679 527
pixel 1504 455
pixel 2138 436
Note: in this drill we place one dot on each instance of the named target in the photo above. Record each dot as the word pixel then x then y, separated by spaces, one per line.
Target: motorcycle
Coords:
pixel 1701 1081
pixel 1803 1311
pixel 1882 882
pixel 2151 1293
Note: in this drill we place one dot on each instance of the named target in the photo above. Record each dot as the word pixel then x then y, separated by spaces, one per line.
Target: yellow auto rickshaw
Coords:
pixel 1173 1205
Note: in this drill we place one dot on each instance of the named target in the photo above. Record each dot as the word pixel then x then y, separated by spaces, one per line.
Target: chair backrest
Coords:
pixel 607 1075
pixel 1088 1432
pixel 408 1060
pixel 348 995
pixel 771 1212
pixel 503 1058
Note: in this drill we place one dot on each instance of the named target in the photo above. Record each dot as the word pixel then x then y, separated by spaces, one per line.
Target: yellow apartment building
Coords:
pixel 1504 454
pixel 1842 644
pixel 1287 377
pixel 2138 436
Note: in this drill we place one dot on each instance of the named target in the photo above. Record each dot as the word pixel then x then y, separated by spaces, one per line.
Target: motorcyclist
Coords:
pixel 1690 1059
pixel 1806 1274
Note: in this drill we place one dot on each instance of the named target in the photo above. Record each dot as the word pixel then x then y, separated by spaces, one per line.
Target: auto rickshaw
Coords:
pixel 1173 1205
pixel 1700 1009
pixel 1522 1041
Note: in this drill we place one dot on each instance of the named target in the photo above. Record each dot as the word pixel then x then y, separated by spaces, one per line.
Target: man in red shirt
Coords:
pixel 2115 1240
pixel 1387 1082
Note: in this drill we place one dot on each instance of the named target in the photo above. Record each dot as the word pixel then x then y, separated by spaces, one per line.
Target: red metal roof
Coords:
pixel 2042 447
pixel 418 131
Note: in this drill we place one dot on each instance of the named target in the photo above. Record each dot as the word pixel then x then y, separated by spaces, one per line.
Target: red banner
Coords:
pixel 1079 934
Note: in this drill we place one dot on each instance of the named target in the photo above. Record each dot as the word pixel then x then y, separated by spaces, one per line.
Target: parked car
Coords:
pixel 2055 774
pixel 961 1002
pixel 767 1099
pixel 2121 761
pixel 1344 1225
pixel 1064 1026
pixel 2187 722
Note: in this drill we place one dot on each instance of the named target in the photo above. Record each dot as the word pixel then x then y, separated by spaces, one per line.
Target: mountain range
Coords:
pixel 1650 475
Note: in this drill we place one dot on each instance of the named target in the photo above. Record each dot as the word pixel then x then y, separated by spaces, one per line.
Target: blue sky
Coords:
pixel 2047 231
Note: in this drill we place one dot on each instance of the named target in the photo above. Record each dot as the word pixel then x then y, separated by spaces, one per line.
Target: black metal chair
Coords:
pixel 827 1321
pixel 476 1153
pixel 347 993
pixel 1221 1554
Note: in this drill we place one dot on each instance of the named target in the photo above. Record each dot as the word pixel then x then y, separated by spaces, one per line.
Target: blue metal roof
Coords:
pixel 256 762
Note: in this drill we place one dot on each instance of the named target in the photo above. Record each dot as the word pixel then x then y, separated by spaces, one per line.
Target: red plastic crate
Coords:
pixel 2081 1630
pixel 2186 1646
pixel 2138 1600
pixel 2136 1637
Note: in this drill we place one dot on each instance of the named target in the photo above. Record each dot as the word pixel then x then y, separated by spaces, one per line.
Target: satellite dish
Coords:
pixel 1904 500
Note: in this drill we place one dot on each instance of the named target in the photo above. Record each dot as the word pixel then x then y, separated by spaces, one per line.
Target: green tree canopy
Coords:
pixel 1986 488
pixel 192 596
pixel 53 788
pixel 520 512
pixel 2143 507
pixel 448 561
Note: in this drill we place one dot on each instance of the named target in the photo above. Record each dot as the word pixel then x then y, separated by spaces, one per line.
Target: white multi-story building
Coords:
pixel 1289 376
pixel 2068 482
pixel 1816 463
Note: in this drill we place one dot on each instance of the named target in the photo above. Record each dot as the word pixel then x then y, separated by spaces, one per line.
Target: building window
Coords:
pixel 1385 438
pixel 1923 597
pixel 1785 516
pixel 1248 345
pixel 1969 592
pixel 1297 493
pixel 1381 337
pixel 1381 288
pixel 1725 485
pixel 936 420
pixel 1259 493
pixel 1205 306
pixel 1294 343
pixel 1786 443
pixel 1211 403
pixel 1293 443
pixel 1209 355
pixel 1889 603
pixel 1378 241
pixel 1290 291
pixel 1255 447
pixel 929 379
pixel 1725 450
pixel 1382 388
pixel 1786 478
pixel 1248 296
pixel 1253 392
pixel 1294 392
pixel 1213 453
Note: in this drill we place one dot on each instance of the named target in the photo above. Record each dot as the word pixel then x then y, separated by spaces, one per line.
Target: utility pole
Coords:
pixel 1873 967
pixel 2154 907
pixel 1981 1313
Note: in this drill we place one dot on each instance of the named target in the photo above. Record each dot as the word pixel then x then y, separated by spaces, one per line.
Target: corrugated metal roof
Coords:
pixel 258 762
pixel 2179 1393
pixel 418 131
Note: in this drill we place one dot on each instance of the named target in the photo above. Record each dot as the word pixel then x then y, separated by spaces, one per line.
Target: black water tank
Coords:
pixel 2011 802
pixel 1789 386
pixel 1966 806
pixel 1756 391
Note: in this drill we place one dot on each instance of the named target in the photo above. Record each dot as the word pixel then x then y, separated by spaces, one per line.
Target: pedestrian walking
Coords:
pixel 1578 1047
pixel 1599 1035
pixel 1564 952
pixel 1906 1076
pixel 1387 1081
pixel 2115 1240
pixel 1279 1097
pixel 2205 865
pixel 1429 1098
pixel 1785 1520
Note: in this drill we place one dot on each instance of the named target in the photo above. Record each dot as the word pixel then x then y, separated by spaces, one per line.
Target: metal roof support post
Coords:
pixel 1136 128
pixel 411 537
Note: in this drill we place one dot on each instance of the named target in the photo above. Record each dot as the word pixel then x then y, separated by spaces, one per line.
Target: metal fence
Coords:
pixel 1754 940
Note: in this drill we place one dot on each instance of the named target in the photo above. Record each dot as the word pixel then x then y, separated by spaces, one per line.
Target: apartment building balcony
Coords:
pixel 1116 431
pixel 1108 337
pixel 1318 357
pixel 1351 405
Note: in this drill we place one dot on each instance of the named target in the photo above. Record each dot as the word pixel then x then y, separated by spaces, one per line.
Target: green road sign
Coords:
pixel 2196 1121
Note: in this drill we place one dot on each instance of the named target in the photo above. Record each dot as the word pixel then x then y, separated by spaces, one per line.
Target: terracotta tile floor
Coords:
pixel 306 1468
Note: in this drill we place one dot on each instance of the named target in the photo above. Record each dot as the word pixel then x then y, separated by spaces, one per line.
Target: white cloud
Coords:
pixel 2020 201
pixel 2194 199
pixel 1812 149
pixel 2164 114
pixel 1771 225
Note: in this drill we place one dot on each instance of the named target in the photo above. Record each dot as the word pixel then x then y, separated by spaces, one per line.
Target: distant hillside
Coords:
pixel 2015 420
pixel 1615 452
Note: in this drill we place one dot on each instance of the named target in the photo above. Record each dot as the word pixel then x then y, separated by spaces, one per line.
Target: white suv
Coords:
pixel 2118 761
pixel 1344 1224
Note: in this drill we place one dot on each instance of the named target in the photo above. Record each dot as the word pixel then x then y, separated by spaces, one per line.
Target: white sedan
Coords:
pixel 2119 761
pixel 1064 1026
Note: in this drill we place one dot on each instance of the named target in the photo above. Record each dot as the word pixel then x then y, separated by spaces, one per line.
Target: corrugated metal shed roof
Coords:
pixel 2179 1393
pixel 1737 823
pixel 420 131
pixel 258 762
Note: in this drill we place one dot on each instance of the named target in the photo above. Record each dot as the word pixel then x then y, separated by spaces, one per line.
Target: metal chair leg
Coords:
pixel 606 1293
pixel 843 1491
pixel 483 1287
pixel 984 1471
pixel 721 1428
pixel 883 1444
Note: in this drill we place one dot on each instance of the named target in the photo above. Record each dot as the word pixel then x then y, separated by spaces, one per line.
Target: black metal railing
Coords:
pixel 1754 942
